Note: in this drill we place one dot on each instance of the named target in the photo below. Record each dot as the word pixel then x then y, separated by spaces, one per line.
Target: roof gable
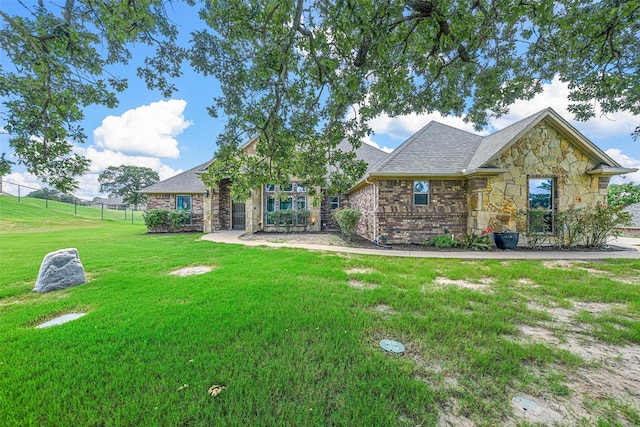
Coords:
pixel 494 145
pixel 436 149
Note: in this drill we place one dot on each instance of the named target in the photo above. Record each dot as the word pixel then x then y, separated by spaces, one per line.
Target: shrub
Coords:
pixel 347 220
pixel 442 241
pixel 477 242
pixel 156 219
pixel 179 218
pixel 601 222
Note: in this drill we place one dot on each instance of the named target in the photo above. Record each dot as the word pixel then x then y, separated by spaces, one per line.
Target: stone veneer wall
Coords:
pixel 542 153
pixel 403 222
pixel 364 200
pixel 168 202
pixel 221 206
pixel 328 223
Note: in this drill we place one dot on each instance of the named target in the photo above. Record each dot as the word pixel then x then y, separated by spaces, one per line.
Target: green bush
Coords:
pixel 477 242
pixel 601 222
pixel 347 220
pixel 442 241
pixel 156 219
pixel 179 218
pixel 161 220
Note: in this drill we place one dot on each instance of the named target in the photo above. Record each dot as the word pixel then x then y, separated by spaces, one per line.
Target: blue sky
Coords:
pixel 176 134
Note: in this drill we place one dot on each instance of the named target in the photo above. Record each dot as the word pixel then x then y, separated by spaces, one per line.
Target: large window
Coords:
pixel 541 204
pixel 290 198
pixel 420 192
pixel 183 203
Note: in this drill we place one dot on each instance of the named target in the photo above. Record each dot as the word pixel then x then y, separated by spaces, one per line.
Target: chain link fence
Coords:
pixel 51 199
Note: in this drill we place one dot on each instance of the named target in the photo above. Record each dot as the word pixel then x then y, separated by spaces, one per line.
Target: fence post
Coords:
pixel 125 212
pixel 18 193
pixel 131 216
pixel 102 205
pixel 46 200
pixel 75 206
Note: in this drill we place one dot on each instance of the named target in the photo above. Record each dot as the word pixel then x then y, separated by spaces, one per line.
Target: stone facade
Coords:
pixel 498 201
pixel 328 223
pixel 168 202
pixel 364 200
pixel 217 211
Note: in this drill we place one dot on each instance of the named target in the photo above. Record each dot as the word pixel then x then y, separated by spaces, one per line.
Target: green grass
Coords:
pixel 282 330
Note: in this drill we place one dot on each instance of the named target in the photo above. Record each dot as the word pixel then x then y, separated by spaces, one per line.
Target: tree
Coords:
pixel 59 65
pixel 52 194
pixel 623 194
pixel 125 181
pixel 302 75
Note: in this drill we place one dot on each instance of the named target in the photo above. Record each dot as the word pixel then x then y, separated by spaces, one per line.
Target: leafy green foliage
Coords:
pixel 156 220
pixel 347 220
pixel 125 181
pixel 623 194
pixel 442 241
pixel 476 242
pixel 302 76
pixel 179 218
pixel 58 56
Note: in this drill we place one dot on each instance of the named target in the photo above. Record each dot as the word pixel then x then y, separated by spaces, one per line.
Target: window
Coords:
pixel 420 192
pixel 183 203
pixel 334 203
pixel 541 204
pixel 301 208
pixel 270 208
pixel 285 209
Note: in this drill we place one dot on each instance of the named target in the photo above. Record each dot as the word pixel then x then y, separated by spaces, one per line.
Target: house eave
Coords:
pixel 611 171
pixel 482 172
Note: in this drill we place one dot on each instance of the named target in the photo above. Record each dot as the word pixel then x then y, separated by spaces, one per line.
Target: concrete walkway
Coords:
pixel 632 251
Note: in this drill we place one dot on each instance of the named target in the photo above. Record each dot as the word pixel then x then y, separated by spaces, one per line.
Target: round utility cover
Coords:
pixel 392 346
pixel 525 403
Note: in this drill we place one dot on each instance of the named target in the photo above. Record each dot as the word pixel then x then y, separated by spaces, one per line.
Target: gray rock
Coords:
pixel 60 270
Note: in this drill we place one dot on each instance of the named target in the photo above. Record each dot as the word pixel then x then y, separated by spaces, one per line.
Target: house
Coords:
pixel 445 180
pixel 440 180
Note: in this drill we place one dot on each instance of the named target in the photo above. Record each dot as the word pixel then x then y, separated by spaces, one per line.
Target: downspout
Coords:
pixel 375 207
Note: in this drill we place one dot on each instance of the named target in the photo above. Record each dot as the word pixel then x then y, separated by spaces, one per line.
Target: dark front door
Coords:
pixel 237 218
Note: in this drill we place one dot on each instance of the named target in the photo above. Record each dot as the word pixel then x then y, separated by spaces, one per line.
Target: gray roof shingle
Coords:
pixel 368 153
pixel 435 149
pixel 187 182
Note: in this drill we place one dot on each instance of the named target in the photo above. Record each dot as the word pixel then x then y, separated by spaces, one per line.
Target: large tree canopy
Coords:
pixel 302 75
pixel 125 181
pixel 60 53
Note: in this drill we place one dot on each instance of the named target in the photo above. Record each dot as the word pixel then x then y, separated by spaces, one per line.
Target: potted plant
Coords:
pixel 506 239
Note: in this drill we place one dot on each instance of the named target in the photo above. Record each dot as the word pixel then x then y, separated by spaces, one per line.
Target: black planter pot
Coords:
pixel 505 240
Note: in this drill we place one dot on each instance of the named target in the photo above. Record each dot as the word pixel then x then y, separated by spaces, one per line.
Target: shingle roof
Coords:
pixel 434 149
pixel 188 182
pixel 368 153
pixel 438 149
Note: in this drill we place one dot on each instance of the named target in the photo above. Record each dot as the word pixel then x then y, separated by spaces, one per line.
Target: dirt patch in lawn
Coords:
pixel 611 372
pixel 483 286
pixel 359 284
pixel 191 271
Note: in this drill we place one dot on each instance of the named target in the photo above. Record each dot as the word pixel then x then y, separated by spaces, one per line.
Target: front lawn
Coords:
pixel 293 336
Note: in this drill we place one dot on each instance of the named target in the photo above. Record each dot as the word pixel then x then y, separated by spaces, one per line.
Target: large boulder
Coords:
pixel 60 270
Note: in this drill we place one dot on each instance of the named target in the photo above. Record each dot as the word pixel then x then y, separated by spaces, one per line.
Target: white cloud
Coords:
pixel 627 162
pixel 148 130
pixel 402 127
pixel 27 182
pixel 371 142
pixel 555 95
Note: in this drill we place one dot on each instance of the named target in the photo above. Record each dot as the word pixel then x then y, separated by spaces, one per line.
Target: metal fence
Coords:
pixel 70 204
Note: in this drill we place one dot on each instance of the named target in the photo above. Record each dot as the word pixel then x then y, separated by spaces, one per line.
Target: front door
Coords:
pixel 237 218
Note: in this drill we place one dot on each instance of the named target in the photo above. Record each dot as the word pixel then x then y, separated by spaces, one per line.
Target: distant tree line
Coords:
pixel 623 194
pixel 55 195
